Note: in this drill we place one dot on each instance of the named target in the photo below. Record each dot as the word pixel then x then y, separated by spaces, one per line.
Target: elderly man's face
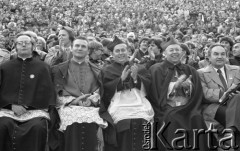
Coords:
pixel 173 53
pixel 218 57
pixel 120 53
pixel 24 45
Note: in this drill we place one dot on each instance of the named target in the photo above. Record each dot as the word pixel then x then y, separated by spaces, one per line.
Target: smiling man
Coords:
pixel 123 102
pixel 176 95
pixel 77 87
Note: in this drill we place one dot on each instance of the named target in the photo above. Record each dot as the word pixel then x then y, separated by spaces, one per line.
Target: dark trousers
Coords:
pixel 233 112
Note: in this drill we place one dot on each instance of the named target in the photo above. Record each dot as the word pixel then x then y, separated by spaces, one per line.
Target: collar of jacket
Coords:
pixel 64 68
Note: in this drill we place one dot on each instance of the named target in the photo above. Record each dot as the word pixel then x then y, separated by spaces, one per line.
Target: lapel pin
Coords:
pixel 32 76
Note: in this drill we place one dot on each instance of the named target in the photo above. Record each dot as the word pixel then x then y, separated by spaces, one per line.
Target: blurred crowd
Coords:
pixel 198 22
pixel 97 47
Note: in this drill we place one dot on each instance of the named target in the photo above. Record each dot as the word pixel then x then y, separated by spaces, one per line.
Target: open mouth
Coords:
pixel 175 56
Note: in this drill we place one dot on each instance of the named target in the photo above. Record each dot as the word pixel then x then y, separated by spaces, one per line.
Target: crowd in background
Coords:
pixel 143 17
pixel 145 28
pixel 198 22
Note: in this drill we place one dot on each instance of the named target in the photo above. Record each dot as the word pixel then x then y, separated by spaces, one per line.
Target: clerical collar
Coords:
pixel 78 62
pixel 24 59
pixel 171 65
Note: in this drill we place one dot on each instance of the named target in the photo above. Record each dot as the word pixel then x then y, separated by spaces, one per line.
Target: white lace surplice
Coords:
pixel 78 114
pixel 30 114
pixel 130 104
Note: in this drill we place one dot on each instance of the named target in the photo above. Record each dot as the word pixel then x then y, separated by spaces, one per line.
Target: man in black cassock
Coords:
pixel 26 92
pixel 123 103
pixel 176 96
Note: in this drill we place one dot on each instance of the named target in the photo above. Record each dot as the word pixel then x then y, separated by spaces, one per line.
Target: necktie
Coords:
pixel 222 79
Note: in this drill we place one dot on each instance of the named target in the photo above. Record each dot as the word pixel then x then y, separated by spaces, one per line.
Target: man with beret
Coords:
pixel 123 102
pixel 176 96
pixel 26 94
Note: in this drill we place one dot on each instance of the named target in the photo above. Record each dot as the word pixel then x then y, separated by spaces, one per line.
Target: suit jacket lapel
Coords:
pixel 64 69
pixel 212 74
pixel 229 75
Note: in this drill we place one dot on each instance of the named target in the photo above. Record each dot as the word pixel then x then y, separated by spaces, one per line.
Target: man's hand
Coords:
pixel 94 99
pixel 18 109
pixel 187 82
pixel 134 72
pixel 231 95
pixel 151 53
pixel 85 103
pixel 80 99
pixel 125 73
pixel 59 49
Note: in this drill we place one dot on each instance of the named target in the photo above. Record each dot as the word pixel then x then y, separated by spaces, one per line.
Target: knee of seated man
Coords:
pixel 6 123
pixel 39 124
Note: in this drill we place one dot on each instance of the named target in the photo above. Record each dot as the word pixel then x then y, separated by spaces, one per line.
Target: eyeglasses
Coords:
pixel 23 42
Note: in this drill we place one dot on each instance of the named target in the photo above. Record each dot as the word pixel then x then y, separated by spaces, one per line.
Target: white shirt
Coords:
pixel 223 73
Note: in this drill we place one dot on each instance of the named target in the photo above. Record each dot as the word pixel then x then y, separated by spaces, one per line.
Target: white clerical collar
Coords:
pixel 24 58
pixel 79 62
